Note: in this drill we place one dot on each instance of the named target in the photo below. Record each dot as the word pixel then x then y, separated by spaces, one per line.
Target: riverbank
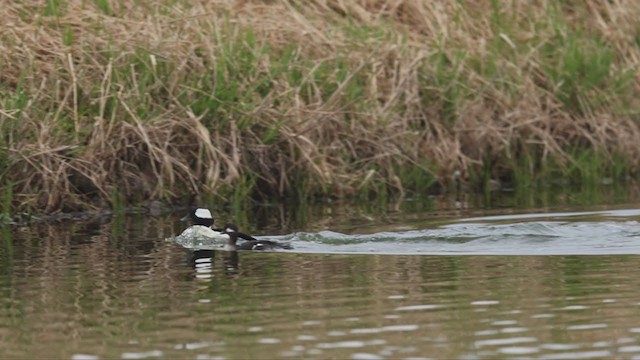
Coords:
pixel 106 104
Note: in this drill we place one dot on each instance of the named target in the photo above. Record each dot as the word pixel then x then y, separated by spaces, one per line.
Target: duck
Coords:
pixel 199 216
pixel 202 227
pixel 232 231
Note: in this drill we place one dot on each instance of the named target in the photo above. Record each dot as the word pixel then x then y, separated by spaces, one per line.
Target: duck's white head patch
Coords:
pixel 203 213
pixel 229 230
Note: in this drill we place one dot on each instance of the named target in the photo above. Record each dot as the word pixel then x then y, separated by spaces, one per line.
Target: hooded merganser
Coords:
pixel 232 231
pixel 199 216
pixel 202 226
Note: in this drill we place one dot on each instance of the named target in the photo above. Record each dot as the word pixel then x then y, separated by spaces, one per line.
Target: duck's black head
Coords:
pixel 231 230
pixel 200 216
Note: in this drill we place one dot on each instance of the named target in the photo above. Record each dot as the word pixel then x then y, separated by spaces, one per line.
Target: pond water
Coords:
pixel 550 283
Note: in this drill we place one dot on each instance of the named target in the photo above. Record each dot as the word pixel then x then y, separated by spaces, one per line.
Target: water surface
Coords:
pixel 369 289
pixel 604 232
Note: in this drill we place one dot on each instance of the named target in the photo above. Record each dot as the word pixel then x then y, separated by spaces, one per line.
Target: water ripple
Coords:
pixel 558 234
pixel 137 298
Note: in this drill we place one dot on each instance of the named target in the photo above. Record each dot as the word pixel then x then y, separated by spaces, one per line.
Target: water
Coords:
pixel 602 232
pixel 545 285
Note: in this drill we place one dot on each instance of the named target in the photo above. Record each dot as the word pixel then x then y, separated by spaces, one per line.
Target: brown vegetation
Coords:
pixel 160 99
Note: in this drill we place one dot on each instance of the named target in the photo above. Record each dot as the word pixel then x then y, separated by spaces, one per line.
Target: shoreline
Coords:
pixel 113 105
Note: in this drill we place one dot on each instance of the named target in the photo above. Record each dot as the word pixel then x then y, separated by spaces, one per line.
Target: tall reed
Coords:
pixel 236 99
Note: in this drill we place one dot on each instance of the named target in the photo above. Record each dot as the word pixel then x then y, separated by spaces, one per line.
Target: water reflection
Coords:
pixel 203 261
pixel 87 291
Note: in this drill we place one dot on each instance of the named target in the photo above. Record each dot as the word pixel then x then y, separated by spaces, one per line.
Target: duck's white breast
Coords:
pixel 199 231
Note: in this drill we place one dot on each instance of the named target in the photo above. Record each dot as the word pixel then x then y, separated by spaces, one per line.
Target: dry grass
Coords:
pixel 163 99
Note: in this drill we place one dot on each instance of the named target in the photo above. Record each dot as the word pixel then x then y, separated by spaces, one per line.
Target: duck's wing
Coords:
pixel 246 237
